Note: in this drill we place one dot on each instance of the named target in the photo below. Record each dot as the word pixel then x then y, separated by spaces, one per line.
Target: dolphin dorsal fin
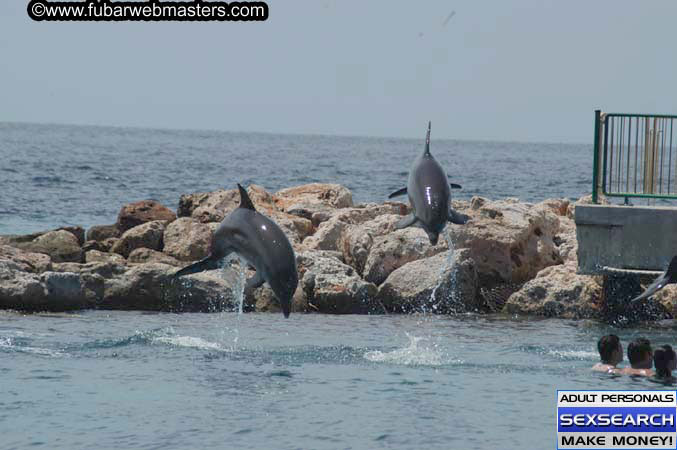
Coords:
pixel 245 201
pixel 426 151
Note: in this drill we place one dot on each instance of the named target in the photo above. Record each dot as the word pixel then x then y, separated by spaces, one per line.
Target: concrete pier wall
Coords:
pixel 625 237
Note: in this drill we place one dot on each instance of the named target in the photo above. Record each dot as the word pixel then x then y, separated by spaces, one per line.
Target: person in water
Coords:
pixel 610 352
pixel 640 356
pixel 665 361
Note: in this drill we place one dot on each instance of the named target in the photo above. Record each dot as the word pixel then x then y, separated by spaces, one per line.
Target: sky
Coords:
pixel 519 70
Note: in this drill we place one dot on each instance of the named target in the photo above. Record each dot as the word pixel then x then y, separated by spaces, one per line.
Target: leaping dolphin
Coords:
pixel 262 243
pixel 429 194
pixel 668 277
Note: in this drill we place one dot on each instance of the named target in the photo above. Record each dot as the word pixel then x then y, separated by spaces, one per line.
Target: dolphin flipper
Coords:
pixel 455 186
pixel 457 218
pixel 406 222
pixel 254 282
pixel 209 263
pixel 398 193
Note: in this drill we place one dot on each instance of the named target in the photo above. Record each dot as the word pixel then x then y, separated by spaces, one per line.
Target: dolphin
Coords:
pixel 429 194
pixel 668 277
pixel 262 243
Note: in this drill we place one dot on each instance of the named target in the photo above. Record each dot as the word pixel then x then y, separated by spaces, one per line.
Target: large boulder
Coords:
pixel 149 235
pixel 509 241
pixel 152 287
pixel 215 206
pixel 95 256
pixel 392 251
pixel 309 199
pixel 20 290
pixel 263 300
pixel 146 255
pixel 559 291
pixel 102 232
pixel 333 287
pixel 49 291
pixel 356 239
pixel 186 239
pixel 27 261
pixel 61 246
pixel 444 283
pixel 138 213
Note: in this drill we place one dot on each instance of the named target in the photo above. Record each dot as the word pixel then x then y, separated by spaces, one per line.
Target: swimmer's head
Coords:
pixel 665 361
pixel 610 349
pixel 640 354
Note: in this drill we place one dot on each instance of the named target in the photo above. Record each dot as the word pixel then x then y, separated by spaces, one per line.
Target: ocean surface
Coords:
pixel 116 380
pixel 55 175
pixel 257 381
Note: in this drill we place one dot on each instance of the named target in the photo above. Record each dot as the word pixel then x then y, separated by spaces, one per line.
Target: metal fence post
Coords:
pixel 595 163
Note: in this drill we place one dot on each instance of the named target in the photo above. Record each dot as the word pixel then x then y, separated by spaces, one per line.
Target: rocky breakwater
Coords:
pixel 514 257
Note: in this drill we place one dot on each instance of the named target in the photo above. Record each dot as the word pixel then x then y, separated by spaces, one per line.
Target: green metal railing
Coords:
pixel 633 156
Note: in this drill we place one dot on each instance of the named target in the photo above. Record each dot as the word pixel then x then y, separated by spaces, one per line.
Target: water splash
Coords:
pixel 419 352
pixel 9 344
pixel 447 266
pixel 240 280
pixel 188 342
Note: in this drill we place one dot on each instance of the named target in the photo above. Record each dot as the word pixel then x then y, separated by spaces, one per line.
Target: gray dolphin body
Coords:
pixel 668 277
pixel 429 195
pixel 262 243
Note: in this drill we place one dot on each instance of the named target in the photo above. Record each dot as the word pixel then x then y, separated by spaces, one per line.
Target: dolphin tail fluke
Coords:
pixel 209 263
pixel 245 201
pixel 406 222
pixel 398 192
pixel 672 269
pixel 457 218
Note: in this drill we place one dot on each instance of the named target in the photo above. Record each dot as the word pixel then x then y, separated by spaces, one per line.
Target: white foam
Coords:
pixel 188 342
pixel 418 353
pixel 574 354
pixel 7 344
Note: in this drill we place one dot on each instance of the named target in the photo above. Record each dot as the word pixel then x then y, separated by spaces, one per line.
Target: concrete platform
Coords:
pixel 625 237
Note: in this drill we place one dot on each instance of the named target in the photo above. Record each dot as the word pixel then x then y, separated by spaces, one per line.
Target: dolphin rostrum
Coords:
pixel 668 277
pixel 429 194
pixel 262 243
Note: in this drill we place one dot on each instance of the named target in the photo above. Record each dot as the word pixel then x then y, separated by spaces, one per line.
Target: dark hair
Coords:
pixel 607 345
pixel 661 357
pixel 638 349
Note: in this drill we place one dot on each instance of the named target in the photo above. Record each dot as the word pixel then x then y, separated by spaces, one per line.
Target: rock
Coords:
pixel 585 200
pixel 135 214
pixel 151 287
pixel 66 291
pixel 477 202
pixel 558 291
pixel 26 261
pixel 20 290
pixel 433 285
pixel 49 291
pixel 102 232
pixel 186 239
pixel 208 206
pixel 327 236
pixel 308 199
pixel 264 300
pixel 61 246
pixel 332 287
pixel 559 206
pixel 393 250
pixel 356 240
pixel 509 241
pixel 105 270
pixel 146 255
pixel 149 235
pixel 214 206
pixel 93 256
